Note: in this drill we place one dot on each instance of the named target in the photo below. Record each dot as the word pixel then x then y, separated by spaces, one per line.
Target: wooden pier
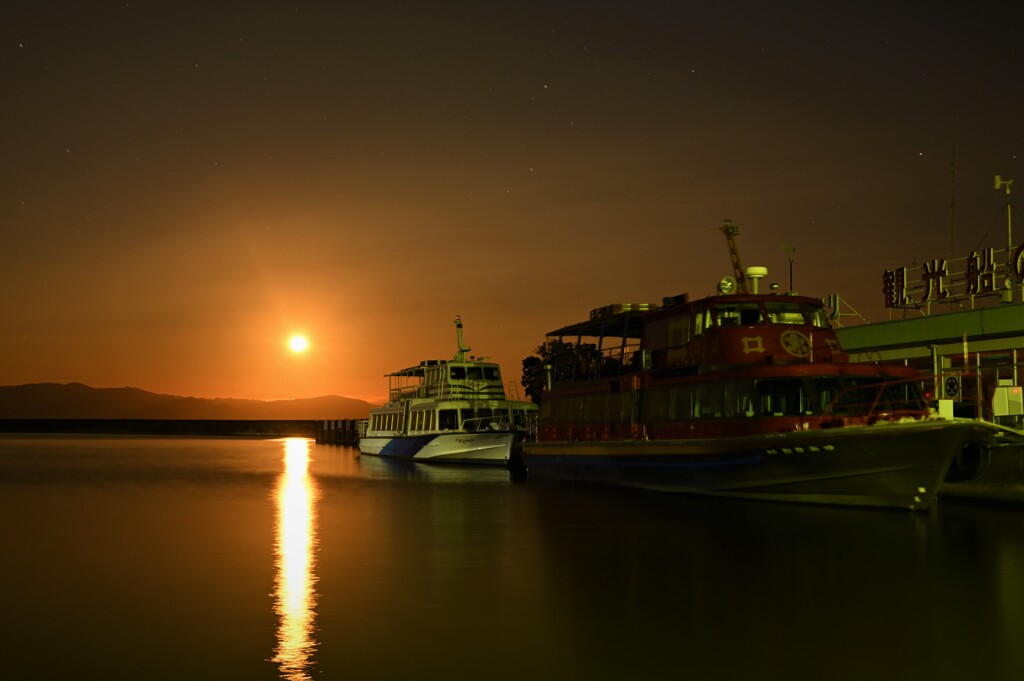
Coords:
pixel 340 431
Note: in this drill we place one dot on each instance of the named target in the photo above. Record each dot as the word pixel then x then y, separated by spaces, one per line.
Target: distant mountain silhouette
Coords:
pixel 77 401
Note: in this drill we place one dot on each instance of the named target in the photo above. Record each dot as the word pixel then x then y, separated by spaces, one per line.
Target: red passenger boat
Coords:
pixel 746 395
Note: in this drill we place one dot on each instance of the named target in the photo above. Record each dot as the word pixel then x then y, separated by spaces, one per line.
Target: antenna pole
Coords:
pixel 1005 185
pixel 460 356
pixel 791 250
pixel 952 199
pixel 1009 218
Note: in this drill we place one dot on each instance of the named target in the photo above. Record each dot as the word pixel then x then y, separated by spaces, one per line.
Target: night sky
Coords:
pixel 184 186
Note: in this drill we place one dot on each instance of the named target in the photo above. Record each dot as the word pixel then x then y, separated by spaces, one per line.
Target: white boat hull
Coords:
pixel 476 448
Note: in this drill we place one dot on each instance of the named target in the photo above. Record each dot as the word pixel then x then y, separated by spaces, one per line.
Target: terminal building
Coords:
pixel 963 323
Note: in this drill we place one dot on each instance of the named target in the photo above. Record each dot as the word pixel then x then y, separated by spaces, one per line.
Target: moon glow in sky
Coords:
pixel 184 185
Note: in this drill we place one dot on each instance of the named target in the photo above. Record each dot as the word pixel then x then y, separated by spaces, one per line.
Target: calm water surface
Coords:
pixel 159 558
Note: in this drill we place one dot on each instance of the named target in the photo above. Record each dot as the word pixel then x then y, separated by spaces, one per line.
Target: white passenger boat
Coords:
pixel 451 411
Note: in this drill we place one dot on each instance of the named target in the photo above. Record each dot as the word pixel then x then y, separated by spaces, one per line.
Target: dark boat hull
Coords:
pixel 899 465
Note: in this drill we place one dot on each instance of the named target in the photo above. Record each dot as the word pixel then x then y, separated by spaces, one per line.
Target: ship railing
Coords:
pixel 404 393
pixel 609 363
pixel 488 424
pixel 468 390
pixel 970 392
pixel 881 401
pixel 472 392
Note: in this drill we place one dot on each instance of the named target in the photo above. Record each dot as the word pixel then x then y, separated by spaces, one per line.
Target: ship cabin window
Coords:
pixel 448 419
pixel 422 420
pixel 737 314
pixel 607 408
pixel 477 419
pixel 772 397
pixel 701 321
pixel 519 417
pixel 863 394
pixel 388 421
pixel 679 331
pixel 785 312
pixel 474 373
pixel 783 397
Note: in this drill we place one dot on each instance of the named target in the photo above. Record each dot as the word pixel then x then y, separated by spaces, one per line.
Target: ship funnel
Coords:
pixel 753 274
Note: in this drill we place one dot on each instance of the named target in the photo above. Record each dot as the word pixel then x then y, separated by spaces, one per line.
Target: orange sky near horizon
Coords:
pixel 185 187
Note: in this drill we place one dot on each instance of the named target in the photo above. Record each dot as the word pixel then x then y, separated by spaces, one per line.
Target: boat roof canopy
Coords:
pixel 621 325
pixel 418 370
pixel 421 368
pixel 625 320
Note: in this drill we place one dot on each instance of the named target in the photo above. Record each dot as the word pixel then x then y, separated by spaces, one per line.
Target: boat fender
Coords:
pixel 969 463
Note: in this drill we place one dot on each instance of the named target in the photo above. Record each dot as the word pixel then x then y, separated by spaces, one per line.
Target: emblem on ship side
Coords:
pixel 795 343
pixel 752 344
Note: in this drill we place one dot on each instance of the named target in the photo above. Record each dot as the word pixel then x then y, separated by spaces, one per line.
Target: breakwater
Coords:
pixel 328 431
pixel 183 427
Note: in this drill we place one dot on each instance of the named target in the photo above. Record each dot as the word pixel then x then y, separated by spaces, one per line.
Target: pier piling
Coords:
pixel 340 431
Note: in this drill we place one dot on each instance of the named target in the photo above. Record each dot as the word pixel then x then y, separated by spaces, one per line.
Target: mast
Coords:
pixel 730 230
pixel 460 356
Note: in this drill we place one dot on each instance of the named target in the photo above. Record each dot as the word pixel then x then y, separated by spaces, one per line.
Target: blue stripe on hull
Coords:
pixel 406 447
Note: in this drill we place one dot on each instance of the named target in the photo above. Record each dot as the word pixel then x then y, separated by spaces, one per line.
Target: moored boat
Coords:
pixel 448 411
pixel 740 394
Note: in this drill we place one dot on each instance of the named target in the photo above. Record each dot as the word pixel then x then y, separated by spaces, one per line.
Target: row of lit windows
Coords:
pixel 607 408
pixel 459 372
pixel 769 397
pixel 775 397
pixel 677 332
pixel 431 420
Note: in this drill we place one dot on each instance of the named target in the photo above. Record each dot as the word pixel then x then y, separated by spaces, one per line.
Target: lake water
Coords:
pixel 160 558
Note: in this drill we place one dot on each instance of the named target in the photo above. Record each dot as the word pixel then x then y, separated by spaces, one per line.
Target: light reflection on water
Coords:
pixel 169 559
pixel 295 585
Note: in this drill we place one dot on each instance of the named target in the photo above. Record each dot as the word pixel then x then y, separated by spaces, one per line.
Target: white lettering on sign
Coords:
pixel 984 272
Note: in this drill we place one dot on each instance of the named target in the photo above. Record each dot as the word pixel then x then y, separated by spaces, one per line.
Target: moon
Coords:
pixel 298 343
